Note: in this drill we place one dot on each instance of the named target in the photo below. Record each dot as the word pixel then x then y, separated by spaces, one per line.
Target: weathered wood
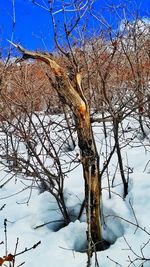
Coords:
pixel 88 151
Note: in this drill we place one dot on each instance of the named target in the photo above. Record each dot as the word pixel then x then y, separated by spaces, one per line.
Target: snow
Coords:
pixel 27 209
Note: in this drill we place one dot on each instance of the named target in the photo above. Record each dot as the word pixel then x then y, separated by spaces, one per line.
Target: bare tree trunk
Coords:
pixel 90 163
pixel 74 98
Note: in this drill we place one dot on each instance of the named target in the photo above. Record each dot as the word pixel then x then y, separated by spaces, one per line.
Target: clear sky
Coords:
pixel 33 27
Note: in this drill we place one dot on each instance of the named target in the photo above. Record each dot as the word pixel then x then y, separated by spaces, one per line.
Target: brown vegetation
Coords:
pixel 108 69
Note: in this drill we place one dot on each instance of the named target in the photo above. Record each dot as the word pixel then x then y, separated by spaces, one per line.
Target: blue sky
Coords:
pixel 33 27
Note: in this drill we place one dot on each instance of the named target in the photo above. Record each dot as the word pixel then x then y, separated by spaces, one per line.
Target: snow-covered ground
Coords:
pixel 126 223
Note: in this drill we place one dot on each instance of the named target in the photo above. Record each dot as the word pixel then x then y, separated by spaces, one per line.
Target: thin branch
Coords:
pixel 43 224
pixel 71 10
pixel 28 249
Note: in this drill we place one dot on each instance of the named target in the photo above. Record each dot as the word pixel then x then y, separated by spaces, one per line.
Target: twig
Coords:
pixel 43 224
pixel 2 207
pixel 118 264
pixel 15 193
pixel 146 166
pixel 13 28
pixel 134 215
pixel 28 249
pixel 5 233
pixel 21 264
pixel 134 224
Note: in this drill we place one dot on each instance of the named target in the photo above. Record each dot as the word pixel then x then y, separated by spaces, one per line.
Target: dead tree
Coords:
pixel 75 99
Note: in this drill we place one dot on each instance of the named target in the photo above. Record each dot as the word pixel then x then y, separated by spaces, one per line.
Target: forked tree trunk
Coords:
pixel 88 153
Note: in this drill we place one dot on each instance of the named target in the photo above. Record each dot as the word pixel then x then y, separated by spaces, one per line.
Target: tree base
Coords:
pixel 102 245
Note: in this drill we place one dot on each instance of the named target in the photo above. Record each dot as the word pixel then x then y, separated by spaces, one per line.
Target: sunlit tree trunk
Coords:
pixel 89 157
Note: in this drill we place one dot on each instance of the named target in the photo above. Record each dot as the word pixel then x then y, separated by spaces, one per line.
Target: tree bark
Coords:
pixel 88 152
